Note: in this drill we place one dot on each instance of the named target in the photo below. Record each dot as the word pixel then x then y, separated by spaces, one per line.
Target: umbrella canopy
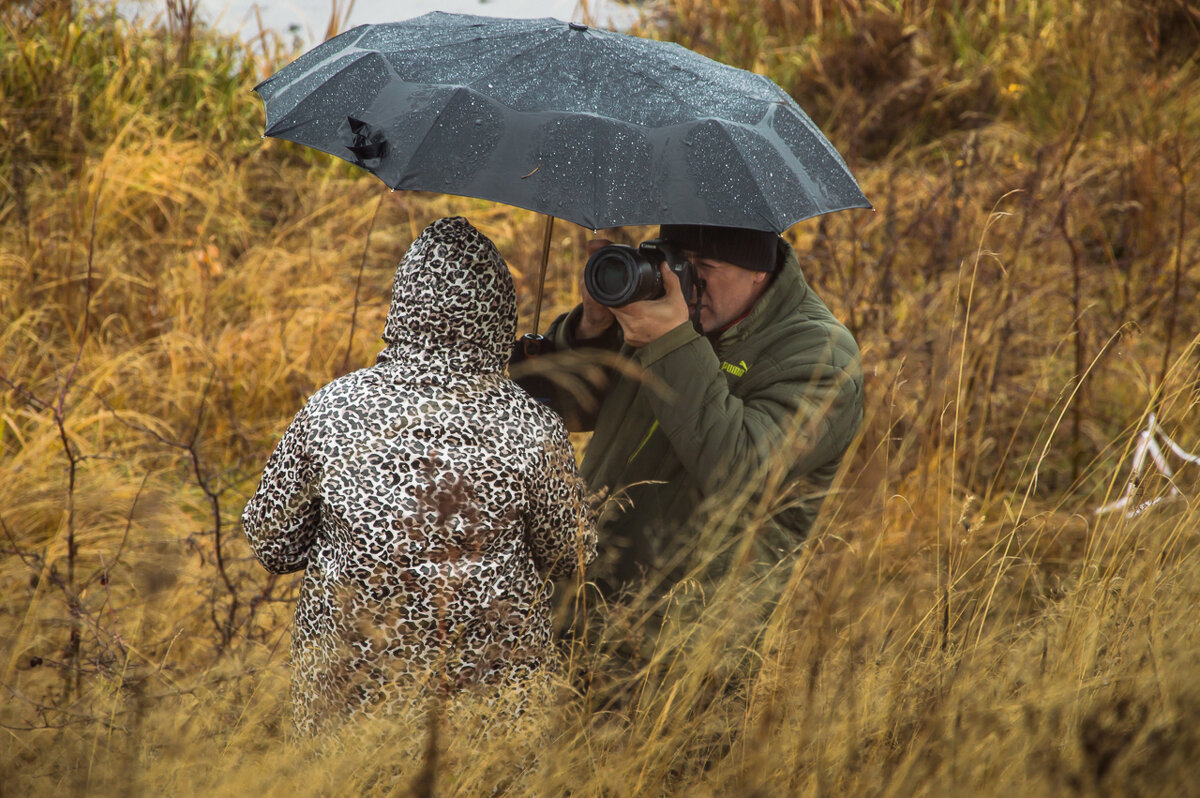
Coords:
pixel 599 128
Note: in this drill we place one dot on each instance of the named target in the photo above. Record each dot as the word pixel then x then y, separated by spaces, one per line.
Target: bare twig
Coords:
pixel 29 398
pixel 358 284
pixel 227 627
pixel 103 571
pixel 1080 127
pixel 426 780
pixel 214 500
pixel 73 458
pixel 181 22
pixel 1077 326
pixel 28 559
pixel 1181 229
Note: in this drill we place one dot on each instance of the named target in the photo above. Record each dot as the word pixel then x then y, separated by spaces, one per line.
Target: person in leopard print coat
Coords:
pixel 428 499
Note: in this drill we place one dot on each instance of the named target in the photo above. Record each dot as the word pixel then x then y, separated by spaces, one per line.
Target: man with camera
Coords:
pixel 719 445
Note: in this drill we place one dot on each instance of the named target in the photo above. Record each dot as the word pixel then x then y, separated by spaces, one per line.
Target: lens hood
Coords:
pixel 617 275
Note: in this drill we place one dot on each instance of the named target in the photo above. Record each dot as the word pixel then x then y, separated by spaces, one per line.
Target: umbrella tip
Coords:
pixel 576 26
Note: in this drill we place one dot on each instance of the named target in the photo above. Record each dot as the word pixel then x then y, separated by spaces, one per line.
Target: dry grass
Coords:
pixel 172 288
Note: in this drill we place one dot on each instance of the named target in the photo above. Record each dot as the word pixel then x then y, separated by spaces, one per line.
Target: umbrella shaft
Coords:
pixel 537 308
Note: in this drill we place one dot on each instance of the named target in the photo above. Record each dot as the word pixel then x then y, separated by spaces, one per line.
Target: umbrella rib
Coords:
pixel 429 129
pixel 537 44
pixel 688 67
pixel 650 77
pixel 721 125
pixel 595 189
pixel 762 81
pixel 354 61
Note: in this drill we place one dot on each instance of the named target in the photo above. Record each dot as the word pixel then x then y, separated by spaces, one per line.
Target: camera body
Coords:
pixel 618 274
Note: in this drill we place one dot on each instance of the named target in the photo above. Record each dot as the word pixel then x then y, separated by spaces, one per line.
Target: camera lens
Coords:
pixel 617 275
pixel 612 275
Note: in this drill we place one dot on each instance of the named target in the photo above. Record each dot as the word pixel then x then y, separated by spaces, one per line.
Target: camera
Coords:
pixel 618 274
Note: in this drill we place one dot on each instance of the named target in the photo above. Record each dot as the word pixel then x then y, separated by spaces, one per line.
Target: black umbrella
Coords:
pixel 602 129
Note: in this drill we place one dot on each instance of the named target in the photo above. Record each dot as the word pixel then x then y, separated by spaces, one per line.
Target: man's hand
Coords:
pixel 596 317
pixel 650 319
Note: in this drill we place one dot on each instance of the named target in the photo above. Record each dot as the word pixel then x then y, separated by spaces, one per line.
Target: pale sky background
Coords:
pixel 311 16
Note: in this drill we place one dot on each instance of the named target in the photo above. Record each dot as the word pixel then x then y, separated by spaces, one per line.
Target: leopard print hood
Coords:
pixel 454 308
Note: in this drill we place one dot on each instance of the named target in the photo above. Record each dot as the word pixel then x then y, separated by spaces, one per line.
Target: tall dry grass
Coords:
pixel 172 288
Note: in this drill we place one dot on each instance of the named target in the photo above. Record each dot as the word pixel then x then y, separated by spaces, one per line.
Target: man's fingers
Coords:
pixel 597 243
pixel 670 280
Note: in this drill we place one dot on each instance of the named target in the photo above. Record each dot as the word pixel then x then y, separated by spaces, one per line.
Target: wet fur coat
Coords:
pixel 428 500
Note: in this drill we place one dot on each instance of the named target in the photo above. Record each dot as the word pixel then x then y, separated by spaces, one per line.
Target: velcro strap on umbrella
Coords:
pixel 366 142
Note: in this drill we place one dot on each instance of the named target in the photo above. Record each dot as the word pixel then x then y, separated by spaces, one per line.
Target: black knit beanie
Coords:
pixel 756 250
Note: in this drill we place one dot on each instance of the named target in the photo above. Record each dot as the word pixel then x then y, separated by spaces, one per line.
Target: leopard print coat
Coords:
pixel 428 500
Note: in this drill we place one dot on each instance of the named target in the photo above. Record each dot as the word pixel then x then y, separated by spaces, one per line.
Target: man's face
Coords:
pixel 729 291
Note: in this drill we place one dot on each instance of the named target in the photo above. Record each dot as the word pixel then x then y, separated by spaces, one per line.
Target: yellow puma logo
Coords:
pixel 738 370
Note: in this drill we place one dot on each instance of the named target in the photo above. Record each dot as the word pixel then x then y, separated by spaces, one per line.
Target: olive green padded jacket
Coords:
pixel 764 413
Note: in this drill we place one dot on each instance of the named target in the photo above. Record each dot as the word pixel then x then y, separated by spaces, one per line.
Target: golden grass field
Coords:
pixel 173 287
